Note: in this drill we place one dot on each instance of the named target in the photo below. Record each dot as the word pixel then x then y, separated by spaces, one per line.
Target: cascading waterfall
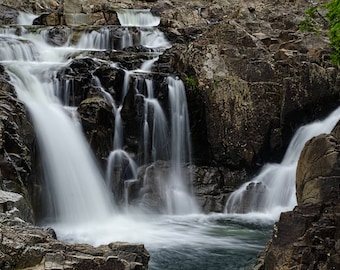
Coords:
pixel 155 128
pixel 272 191
pixel 81 198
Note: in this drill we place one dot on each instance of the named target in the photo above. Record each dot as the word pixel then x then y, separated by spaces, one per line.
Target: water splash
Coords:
pixel 273 190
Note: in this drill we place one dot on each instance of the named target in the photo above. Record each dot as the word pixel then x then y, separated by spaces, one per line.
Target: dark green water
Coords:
pixel 214 243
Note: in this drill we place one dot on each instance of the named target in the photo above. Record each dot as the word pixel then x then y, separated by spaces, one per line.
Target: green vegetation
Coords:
pixel 333 16
pixel 308 25
pixel 191 83
pixel 333 20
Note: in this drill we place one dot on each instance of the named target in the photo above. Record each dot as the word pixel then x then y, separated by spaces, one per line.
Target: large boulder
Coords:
pixel 98 124
pixel 318 173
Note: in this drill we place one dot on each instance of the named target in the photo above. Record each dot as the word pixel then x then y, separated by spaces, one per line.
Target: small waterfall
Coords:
pixel 179 197
pixel 137 18
pixel 96 39
pixel 140 29
pixel 17 49
pixel 273 190
pixel 120 166
pixel 25 18
pixel 156 132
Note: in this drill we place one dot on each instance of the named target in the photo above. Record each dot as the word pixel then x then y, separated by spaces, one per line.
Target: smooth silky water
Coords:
pixel 183 238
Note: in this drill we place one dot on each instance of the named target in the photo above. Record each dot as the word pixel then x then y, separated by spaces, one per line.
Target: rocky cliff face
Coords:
pixel 309 236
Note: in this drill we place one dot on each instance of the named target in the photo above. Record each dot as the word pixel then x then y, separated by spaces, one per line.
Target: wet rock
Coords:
pixel 213 184
pixel 96 116
pixel 17 170
pixel 58 36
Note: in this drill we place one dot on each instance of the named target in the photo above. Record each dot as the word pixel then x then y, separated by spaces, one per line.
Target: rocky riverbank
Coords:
pixel 24 246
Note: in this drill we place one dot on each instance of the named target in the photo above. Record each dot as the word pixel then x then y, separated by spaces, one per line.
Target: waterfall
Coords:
pixel 272 191
pixel 72 178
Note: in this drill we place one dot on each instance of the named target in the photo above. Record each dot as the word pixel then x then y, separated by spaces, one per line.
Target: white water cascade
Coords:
pixel 272 191
pixel 179 198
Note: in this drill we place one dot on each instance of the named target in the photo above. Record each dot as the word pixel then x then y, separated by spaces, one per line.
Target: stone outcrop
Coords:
pixel 309 236
pixel 8 15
